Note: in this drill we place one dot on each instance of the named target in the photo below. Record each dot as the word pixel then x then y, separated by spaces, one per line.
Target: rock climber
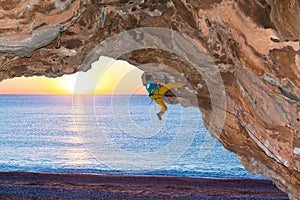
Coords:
pixel 157 91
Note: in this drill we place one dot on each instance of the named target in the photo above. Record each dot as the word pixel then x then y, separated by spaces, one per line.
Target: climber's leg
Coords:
pixel 163 108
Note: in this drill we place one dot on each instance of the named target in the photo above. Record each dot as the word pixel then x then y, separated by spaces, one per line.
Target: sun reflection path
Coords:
pixel 77 154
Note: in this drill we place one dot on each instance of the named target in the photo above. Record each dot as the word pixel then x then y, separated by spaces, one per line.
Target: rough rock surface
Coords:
pixel 254 45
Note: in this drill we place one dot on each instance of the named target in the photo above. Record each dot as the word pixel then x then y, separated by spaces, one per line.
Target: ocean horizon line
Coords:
pixel 104 94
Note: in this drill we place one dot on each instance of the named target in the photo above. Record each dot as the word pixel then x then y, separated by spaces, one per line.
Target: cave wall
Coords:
pixel 254 45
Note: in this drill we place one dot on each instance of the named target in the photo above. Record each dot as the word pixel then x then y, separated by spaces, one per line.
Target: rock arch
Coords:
pixel 254 44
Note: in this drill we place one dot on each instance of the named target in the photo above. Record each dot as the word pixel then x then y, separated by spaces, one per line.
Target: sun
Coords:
pixel 106 76
pixel 65 84
pixel 86 82
pixel 70 84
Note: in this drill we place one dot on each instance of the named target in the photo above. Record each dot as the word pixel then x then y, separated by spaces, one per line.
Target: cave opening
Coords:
pixel 105 133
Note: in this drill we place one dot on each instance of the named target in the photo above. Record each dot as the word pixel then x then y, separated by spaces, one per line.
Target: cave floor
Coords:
pixel 26 185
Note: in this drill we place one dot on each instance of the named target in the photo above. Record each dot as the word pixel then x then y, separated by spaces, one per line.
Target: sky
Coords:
pixel 107 76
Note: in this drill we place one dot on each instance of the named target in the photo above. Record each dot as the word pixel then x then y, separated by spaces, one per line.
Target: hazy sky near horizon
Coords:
pixel 107 76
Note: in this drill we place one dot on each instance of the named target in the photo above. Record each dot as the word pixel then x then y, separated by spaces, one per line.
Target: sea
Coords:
pixel 109 134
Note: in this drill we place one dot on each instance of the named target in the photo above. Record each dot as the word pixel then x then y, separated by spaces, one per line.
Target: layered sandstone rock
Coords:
pixel 252 45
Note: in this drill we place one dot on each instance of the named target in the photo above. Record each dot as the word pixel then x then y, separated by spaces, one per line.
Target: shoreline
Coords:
pixel 31 185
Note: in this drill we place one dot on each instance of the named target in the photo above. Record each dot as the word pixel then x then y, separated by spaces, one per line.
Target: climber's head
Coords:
pixel 149 78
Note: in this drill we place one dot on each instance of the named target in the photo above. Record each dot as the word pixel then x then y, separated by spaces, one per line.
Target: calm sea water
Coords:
pixel 108 134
